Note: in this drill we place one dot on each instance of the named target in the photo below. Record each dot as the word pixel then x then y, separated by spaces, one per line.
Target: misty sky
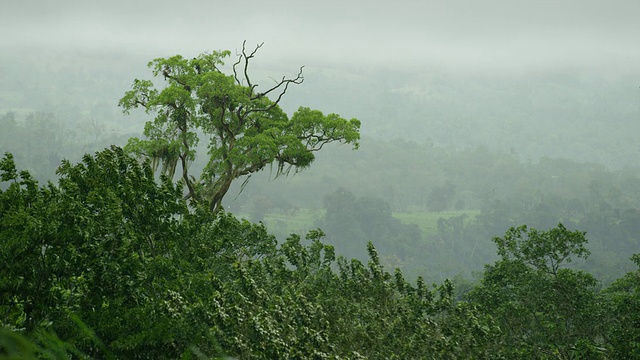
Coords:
pixel 475 34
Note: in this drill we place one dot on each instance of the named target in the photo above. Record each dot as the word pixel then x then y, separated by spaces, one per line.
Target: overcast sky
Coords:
pixel 485 34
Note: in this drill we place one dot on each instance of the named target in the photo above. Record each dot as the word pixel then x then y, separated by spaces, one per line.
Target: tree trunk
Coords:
pixel 216 201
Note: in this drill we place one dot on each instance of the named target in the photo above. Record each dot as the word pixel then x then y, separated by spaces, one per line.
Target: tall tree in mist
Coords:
pixel 245 130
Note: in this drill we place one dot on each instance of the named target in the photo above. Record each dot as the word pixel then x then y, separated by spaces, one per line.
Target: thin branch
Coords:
pixel 246 57
pixel 235 73
pixel 246 63
pixel 254 50
pixel 286 82
pixel 299 79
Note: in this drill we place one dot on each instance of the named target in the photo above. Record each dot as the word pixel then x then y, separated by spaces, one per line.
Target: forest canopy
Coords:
pixel 115 259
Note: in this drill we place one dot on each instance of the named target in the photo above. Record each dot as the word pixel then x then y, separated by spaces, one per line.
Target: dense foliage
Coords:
pixel 110 263
pixel 152 279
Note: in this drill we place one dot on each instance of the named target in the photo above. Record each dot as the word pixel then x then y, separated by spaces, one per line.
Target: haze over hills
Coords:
pixel 535 78
pixel 583 115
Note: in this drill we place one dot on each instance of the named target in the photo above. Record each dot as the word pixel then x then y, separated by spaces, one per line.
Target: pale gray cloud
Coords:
pixel 472 34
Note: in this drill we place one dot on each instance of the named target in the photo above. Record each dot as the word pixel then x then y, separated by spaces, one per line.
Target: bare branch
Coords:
pixel 297 80
pixel 246 66
pixel 244 57
pixel 284 85
pixel 253 53
pixel 235 72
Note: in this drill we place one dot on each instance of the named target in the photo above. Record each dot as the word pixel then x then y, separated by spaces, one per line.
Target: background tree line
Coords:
pixel 490 190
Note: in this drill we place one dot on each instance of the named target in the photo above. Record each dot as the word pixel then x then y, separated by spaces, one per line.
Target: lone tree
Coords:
pixel 246 129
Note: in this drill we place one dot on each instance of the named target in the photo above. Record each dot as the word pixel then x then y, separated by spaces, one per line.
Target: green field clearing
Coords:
pixel 303 220
pixel 283 224
pixel 428 221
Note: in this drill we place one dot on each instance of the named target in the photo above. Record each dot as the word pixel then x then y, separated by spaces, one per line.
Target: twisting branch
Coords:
pixel 235 72
pixel 246 57
pixel 297 80
pixel 282 84
pixel 246 65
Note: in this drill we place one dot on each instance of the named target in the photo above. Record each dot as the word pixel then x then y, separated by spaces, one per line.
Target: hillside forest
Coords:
pixel 441 215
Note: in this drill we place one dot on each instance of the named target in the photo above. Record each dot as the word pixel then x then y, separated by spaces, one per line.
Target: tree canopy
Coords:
pixel 245 129
pixel 117 266
pixel 547 310
pixel 111 263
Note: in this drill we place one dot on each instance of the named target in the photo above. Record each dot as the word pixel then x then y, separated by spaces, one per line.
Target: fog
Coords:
pixel 494 35
pixel 517 111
